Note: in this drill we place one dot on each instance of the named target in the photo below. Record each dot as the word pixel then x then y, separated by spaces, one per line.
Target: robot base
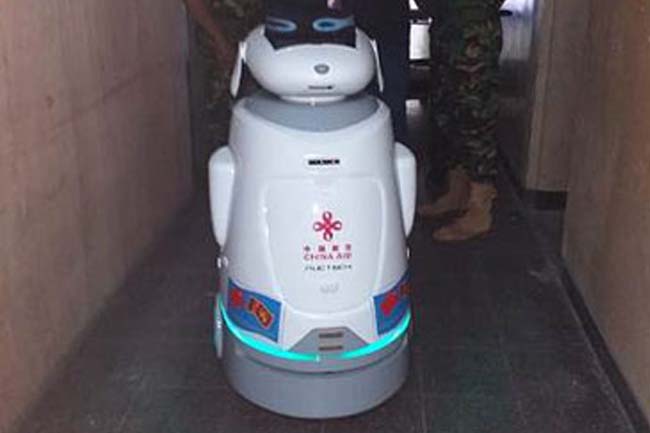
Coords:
pixel 314 395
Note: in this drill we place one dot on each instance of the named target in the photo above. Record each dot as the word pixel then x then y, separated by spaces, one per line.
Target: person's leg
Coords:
pixel 448 185
pixel 393 47
pixel 476 81
pixel 475 78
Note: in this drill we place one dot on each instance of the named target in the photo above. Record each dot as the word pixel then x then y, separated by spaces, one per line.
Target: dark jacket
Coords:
pixel 381 18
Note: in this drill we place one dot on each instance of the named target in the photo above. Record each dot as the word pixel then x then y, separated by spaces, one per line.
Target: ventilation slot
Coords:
pixel 330 335
pixel 331 340
pixel 324 162
pixel 331 348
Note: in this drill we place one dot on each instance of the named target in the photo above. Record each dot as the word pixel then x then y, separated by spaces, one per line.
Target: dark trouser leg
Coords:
pixel 394 56
pixel 441 151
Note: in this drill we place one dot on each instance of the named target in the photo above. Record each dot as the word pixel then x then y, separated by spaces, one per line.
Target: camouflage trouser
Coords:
pixel 466 43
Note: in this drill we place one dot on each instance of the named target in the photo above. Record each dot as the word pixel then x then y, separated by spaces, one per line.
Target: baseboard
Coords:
pixel 544 200
pixel 621 387
pixel 623 390
pixel 537 199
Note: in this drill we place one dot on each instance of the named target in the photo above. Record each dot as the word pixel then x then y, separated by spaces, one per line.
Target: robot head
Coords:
pixel 299 22
pixel 308 51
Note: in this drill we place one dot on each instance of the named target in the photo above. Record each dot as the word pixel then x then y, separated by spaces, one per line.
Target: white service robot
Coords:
pixel 312 202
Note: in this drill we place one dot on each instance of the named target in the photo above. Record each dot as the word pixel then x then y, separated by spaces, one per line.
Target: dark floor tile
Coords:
pixel 461 413
pixel 575 406
pixel 92 395
pixel 466 372
pixel 189 246
pixel 183 366
pixel 533 313
pixel 184 411
pixel 508 249
pixel 455 311
pixel 455 325
pixel 194 252
pixel 448 274
pixel 179 308
pixel 565 390
pixel 100 420
pixel 402 413
pixel 440 291
pixel 440 416
pixel 495 262
pixel 549 224
pixel 430 259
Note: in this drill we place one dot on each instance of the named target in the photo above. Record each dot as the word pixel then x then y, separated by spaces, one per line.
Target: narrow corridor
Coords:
pixel 497 347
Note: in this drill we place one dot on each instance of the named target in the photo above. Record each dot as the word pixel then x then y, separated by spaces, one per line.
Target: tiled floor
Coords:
pixel 496 348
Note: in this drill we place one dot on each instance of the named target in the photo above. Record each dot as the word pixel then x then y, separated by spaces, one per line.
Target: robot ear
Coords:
pixel 238 70
pixel 380 74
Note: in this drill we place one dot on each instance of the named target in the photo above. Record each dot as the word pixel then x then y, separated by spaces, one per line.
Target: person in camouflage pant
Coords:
pixel 466 41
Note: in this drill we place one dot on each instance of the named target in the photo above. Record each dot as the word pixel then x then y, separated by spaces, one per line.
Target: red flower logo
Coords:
pixel 328 226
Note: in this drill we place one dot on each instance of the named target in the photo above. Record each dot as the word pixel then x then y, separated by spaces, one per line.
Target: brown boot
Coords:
pixel 476 221
pixel 454 200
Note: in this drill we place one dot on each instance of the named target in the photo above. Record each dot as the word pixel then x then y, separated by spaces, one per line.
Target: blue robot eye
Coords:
pixel 280 25
pixel 329 25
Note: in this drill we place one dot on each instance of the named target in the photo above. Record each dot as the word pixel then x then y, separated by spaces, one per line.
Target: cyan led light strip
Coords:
pixel 267 349
pixel 383 342
pixel 262 347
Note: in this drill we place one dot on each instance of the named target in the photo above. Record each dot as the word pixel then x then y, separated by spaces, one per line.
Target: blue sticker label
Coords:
pixel 253 312
pixel 391 307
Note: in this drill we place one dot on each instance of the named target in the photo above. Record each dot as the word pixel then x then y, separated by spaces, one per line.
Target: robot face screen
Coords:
pixel 297 22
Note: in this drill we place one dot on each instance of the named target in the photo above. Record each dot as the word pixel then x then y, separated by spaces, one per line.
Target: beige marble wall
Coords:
pixel 541 63
pixel 607 245
pixel 94 162
pixel 561 37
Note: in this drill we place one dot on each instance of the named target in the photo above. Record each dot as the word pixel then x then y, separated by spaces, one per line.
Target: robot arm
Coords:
pixel 380 74
pixel 406 167
pixel 238 70
pixel 222 180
